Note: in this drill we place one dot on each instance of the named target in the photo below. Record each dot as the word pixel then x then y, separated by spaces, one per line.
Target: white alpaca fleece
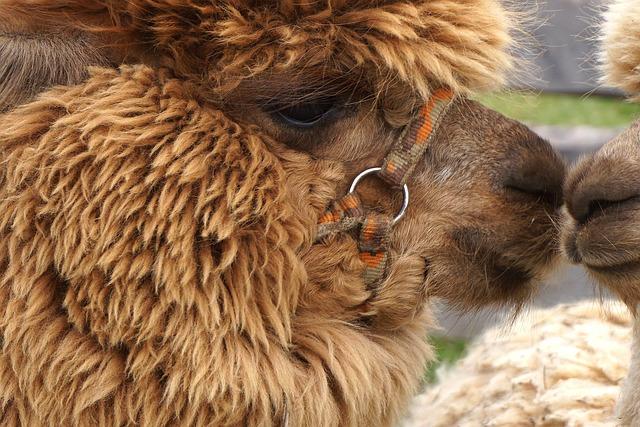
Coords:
pixel 620 57
pixel 564 369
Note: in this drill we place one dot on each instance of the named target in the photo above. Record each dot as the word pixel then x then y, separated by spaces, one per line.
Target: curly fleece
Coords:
pixel 565 368
pixel 460 44
pixel 154 264
pixel 156 258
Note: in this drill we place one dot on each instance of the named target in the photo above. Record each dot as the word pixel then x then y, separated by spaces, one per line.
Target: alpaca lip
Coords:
pixel 600 262
pixel 505 272
pixel 600 242
pixel 571 248
pixel 624 269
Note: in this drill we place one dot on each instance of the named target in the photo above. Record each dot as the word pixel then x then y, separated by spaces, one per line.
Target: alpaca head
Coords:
pixel 338 82
pixel 603 191
pixel 174 200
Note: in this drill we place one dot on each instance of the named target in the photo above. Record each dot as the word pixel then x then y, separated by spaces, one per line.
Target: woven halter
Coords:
pixel 348 214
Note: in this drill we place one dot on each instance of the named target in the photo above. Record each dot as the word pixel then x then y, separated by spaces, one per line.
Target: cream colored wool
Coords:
pixel 564 369
pixel 628 407
pixel 620 55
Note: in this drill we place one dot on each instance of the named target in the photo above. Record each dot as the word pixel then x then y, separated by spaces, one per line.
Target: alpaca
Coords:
pixel 158 209
pixel 556 367
pixel 602 192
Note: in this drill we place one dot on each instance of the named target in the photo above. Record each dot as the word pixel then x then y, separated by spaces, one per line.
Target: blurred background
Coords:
pixel 559 96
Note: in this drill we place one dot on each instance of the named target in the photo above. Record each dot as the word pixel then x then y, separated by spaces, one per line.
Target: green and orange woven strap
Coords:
pixel 343 215
pixel 403 158
pixel 373 241
pixel 348 214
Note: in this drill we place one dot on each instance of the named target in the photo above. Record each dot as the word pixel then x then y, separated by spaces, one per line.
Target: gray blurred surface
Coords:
pixel 561 44
pixel 568 284
pixel 573 142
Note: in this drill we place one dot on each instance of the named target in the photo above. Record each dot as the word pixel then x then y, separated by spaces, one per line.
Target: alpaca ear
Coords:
pixel 66 13
pixel 107 20
pixel 42 46
pixel 31 64
pixel 620 57
pixel 121 29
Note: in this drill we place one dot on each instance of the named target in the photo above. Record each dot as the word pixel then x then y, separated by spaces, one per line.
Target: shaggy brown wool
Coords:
pixel 220 42
pixel 138 291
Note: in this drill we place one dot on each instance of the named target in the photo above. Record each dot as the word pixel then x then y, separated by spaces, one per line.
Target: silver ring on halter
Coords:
pixel 405 190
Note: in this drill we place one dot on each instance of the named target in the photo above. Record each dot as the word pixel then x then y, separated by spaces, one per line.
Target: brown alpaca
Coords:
pixel 157 219
pixel 603 195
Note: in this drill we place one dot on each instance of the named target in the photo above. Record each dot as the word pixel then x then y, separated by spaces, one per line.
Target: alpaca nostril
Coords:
pixel 591 209
pixel 540 192
pixel 533 171
pixel 538 176
pixel 599 186
pixel 607 182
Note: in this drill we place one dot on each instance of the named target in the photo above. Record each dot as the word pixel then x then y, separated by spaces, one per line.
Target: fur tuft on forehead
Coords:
pixel 621 46
pixel 417 44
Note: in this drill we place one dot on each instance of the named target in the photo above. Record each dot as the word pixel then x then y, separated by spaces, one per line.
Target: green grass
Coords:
pixel 448 351
pixel 558 109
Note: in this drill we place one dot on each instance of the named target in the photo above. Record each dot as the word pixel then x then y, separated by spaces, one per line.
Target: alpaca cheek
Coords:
pixel 402 297
pixel 334 284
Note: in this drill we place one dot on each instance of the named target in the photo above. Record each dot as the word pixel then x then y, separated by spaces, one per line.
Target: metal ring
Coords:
pixel 405 190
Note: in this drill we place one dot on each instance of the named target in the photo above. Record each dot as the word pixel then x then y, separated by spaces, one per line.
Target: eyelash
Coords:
pixel 305 115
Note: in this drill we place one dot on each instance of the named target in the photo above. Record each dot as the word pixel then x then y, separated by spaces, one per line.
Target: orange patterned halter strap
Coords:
pixel 372 228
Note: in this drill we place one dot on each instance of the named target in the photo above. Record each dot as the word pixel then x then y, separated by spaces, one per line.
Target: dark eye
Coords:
pixel 306 114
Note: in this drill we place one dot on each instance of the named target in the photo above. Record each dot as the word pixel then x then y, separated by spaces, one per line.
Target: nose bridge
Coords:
pixel 480 144
pixel 624 148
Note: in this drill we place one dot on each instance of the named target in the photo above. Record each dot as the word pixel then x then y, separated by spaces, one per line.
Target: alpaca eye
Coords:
pixel 305 115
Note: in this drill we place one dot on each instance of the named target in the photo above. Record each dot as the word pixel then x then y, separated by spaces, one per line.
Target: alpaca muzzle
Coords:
pixel 372 228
